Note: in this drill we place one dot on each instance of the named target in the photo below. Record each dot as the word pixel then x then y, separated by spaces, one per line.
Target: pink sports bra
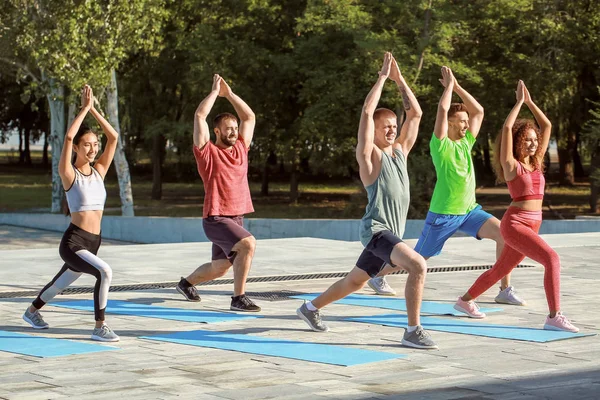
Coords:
pixel 527 185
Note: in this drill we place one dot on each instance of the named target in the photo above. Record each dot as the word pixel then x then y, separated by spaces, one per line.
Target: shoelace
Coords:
pixel 246 300
pixel 105 329
pixel 318 316
pixel 472 303
pixel 562 320
pixel 37 319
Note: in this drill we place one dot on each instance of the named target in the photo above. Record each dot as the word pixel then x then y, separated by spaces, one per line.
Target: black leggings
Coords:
pixel 78 249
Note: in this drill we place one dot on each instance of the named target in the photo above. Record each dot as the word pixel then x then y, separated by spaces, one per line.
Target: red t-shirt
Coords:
pixel 225 176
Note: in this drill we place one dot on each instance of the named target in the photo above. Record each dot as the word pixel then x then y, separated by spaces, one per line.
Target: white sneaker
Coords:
pixel 35 319
pixel 104 334
pixel 381 287
pixel 509 296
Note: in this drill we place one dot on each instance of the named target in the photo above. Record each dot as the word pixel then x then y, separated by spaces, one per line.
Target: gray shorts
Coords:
pixel 224 233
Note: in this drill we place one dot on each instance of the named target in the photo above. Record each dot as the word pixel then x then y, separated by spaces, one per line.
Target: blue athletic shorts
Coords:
pixel 439 227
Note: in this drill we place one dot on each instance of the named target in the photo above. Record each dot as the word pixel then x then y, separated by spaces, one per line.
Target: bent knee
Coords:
pixel 417 265
pixel 105 272
pixel 221 266
pixel 354 283
pixel 247 244
pixel 553 260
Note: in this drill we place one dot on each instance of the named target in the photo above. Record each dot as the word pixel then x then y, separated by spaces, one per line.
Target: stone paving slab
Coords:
pixel 464 367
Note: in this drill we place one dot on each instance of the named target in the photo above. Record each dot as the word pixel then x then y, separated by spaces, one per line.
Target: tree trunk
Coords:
pixel 71 111
pixel 57 136
pixel 45 151
pixel 487 161
pixel 566 173
pixel 27 151
pixel 21 153
pixel 294 180
pixel 577 164
pixel 158 144
pixel 121 164
pixel 424 42
pixel 264 187
pixel 595 181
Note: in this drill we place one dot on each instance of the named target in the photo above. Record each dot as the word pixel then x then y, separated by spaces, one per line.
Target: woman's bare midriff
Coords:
pixel 89 221
pixel 528 205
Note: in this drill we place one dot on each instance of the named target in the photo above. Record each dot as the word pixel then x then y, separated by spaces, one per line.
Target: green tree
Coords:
pixel 71 44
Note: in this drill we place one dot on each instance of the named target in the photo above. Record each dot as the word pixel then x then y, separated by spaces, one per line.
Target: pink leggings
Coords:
pixel 520 228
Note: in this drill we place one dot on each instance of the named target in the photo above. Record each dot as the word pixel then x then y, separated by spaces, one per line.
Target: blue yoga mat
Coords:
pixel 394 303
pixel 321 353
pixel 473 328
pixel 145 310
pixel 37 346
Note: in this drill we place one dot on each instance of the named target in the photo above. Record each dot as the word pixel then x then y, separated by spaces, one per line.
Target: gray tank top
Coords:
pixel 389 197
pixel 87 193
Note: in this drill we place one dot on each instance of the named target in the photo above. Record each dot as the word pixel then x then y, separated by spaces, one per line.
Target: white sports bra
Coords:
pixel 87 193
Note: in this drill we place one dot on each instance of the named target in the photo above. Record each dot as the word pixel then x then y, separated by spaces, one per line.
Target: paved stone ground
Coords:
pixel 465 367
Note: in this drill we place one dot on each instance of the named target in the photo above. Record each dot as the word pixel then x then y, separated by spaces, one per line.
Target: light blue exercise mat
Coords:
pixel 476 328
pixel 145 310
pixel 394 303
pixel 321 353
pixel 38 346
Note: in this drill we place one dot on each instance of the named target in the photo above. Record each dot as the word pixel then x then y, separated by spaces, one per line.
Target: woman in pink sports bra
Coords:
pixel 519 156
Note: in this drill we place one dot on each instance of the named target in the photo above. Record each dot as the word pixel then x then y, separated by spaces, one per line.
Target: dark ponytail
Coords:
pixel 83 130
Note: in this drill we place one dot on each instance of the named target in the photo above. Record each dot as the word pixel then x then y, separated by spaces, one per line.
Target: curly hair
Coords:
pixel 519 130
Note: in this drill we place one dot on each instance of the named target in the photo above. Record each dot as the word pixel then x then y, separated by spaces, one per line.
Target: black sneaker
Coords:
pixel 188 291
pixel 243 303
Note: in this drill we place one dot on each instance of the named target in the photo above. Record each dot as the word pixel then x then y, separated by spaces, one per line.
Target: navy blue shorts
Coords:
pixel 439 227
pixel 378 253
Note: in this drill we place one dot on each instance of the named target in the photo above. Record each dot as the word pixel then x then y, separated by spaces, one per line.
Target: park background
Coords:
pixel 305 68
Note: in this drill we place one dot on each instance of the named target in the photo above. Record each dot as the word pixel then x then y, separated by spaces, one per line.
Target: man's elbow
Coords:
pixel 415 114
pixel 367 111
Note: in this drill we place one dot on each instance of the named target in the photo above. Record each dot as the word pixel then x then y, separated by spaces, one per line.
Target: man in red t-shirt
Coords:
pixel 223 167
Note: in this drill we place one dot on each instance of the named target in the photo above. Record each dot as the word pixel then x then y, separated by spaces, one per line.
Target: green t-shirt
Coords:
pixel 454 191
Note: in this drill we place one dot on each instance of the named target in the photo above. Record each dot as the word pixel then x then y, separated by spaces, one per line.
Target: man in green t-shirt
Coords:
pixel 453 206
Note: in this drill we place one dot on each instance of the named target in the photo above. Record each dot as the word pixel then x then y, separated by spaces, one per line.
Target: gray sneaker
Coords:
pixel 104 334
pixel 312 318
pixel 509 296
pixel 380 286
pixel 35 319
pixel 419 339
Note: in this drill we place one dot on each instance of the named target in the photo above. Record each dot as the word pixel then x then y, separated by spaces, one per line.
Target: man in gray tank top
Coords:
pixel 382 165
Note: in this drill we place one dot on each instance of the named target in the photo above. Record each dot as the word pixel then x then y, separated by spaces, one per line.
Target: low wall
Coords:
pixel 177 230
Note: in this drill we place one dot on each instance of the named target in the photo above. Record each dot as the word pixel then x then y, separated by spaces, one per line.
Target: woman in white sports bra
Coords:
pixel 85 192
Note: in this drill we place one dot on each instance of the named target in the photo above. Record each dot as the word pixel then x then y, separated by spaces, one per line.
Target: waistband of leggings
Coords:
pixel 535 215
pixel 83 233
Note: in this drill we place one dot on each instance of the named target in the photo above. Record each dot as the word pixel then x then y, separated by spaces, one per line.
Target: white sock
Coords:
pixel 412 328
pixel 310 306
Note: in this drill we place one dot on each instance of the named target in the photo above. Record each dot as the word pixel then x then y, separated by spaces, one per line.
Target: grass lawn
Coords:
pixel 27 189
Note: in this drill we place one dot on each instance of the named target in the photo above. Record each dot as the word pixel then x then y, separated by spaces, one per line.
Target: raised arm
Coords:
pixel 366 127
pixel 474 109
pixel 65 168
pixel 410 127
pixel 541 119
pixel 201 130
pixel 441 119
pixel 247 117
pixel 507 159
pixel 112 136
